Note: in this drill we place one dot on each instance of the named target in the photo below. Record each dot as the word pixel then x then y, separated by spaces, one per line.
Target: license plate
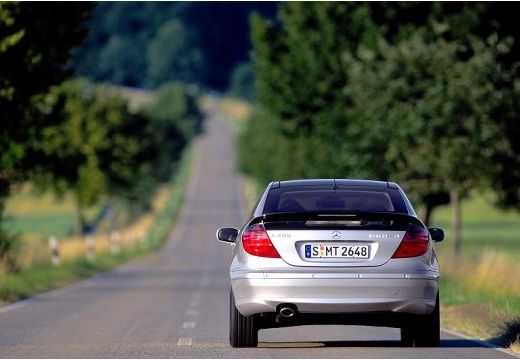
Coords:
pixel 337 251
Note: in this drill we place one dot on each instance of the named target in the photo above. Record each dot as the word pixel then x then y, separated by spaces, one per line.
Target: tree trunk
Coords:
pixel 80 221
pixel 426 213
pixel 455 221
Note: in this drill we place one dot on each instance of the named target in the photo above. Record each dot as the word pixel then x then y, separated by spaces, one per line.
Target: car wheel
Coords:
pixel 243 330
pixel 423 331
pixel 428 329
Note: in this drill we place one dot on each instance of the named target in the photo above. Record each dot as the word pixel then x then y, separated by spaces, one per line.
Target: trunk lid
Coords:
pixel 331 235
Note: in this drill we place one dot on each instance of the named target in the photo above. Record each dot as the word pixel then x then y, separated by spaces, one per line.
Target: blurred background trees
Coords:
pixel 147 44
pixel 35 52
pixel 76 137
pixel 424 94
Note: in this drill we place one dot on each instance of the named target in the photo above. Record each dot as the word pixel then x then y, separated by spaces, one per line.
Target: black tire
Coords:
pixel 423 331
pixel 243 330
pixel 233 324
pixel 429 334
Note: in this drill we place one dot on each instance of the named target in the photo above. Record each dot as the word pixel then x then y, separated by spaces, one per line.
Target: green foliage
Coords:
pixel 243 82
pixel 109 151
pixel 35 49
pixel 172 55
pixel 148 44
pixel 301 75
pixel 176 105
pixel 30 62
pixel 420 93
pixel 98 139
pixel 425 115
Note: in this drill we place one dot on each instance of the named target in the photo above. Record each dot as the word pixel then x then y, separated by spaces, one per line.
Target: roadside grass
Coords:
pixel 45 277
pixel 480 290
pixel 153 227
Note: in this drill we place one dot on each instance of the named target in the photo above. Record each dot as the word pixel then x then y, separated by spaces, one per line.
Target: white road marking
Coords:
pixel 184 341
pixel 192 312
pixel 188 325
pixel 193 303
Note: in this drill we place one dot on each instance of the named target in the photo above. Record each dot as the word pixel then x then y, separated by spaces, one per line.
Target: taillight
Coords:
pixel 256 242
pixel 414 243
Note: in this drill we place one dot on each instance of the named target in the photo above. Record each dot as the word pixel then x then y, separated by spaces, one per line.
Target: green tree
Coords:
pixel 120 61
pixel 422 93
pixel 426 115
pixel 175 105
pixel 301 75
pixel 243 82
pixel 35 48
pixel 121 32
pixel 173 55
pixel 97 148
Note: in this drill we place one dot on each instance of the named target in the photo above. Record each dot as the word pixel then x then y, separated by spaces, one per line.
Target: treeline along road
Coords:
pixel 174 303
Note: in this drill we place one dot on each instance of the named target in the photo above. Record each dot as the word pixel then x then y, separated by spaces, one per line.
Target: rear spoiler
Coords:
pixel 335 216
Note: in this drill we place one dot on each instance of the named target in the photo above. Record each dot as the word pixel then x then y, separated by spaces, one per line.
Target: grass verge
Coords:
pixel 480 294
pixel 45 277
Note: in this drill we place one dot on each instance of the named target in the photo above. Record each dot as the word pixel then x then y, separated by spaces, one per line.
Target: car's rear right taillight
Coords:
pixel 256 242
pixel 415 243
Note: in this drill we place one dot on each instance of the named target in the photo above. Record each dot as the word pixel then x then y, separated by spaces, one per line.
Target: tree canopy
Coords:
pixel 146 44
pixel 424 94
pixel 35 53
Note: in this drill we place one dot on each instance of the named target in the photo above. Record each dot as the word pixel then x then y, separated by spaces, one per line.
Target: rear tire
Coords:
pixel 424 331
pixel 243 330
pixel 429 334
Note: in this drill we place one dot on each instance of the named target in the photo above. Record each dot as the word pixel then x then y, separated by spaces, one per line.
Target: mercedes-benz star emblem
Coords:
pixel 336 235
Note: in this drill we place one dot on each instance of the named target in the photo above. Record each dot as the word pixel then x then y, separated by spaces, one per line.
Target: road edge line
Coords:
pixel 484 343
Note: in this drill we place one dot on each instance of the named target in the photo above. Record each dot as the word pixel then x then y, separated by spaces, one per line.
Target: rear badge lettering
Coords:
pixel 283 235
pixel 383 236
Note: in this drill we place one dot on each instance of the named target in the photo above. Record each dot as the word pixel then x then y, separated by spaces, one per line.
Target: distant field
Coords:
pixel 57 224
pixel 43 215
pixel 484 227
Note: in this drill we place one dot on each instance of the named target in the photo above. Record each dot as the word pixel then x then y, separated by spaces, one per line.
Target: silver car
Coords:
pixel 334 252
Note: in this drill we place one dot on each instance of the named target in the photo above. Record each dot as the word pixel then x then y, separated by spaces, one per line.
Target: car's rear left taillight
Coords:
pixel 256 242
pixel 415 243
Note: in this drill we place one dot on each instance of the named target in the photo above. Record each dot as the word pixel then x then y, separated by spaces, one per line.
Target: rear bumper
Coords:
pixel 319 293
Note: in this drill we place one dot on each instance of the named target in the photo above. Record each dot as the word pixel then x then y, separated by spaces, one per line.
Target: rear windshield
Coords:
pixel 314 198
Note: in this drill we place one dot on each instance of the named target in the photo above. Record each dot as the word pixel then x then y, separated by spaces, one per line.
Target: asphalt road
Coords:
pixel 175 303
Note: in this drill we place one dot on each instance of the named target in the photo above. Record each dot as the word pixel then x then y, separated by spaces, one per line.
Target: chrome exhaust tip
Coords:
pixel 287 311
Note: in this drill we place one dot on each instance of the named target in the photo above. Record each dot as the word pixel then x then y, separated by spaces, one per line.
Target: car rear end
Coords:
pixel 334 257
pixel 329 251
